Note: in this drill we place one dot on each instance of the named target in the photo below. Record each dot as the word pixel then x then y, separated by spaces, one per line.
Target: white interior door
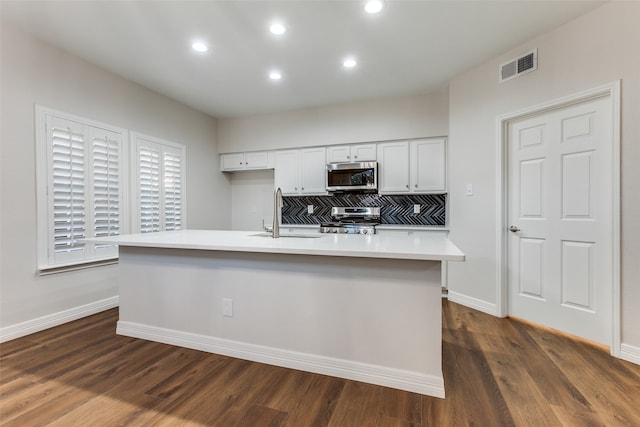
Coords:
pixel 560 216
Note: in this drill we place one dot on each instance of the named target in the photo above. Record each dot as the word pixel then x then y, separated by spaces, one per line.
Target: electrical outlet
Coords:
pixel 309 209
pixel 416 209
pixel 227 307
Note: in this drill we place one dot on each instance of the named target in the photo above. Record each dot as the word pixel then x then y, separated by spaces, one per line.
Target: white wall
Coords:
pixel 251 200
pixel 412 116
pixel 597 48
pixel 34 72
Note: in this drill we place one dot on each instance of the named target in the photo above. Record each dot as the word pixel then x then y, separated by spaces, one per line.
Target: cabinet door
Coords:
pixel 232 162
pixel 256 160
pixel 340 153
pixel 286 174
pixel 313 170
pixel 363 152
pixel 393 167
pixel 428 165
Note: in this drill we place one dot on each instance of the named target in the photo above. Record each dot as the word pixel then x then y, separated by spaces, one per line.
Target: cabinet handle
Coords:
pixel 407 185
pixel 415 185
pixel 302 188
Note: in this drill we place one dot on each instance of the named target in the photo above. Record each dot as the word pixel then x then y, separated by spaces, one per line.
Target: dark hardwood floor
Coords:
pixel 498 372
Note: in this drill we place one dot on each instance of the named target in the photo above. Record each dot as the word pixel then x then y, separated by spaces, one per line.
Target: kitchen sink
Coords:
pixel 298 235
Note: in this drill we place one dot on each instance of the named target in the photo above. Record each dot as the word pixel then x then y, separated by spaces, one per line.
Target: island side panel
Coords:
pixel 377 312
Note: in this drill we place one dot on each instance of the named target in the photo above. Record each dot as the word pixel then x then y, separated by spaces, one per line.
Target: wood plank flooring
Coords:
pixel 498 372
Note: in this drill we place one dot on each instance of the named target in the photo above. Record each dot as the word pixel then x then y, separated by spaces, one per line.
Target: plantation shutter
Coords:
pixel 79 188
pixel 67 192
pixel 106 156
pixel 172 193
pixel 160 172
pixel 149 187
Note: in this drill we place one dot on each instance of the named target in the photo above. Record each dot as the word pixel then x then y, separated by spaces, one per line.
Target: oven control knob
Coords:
pixel 365 231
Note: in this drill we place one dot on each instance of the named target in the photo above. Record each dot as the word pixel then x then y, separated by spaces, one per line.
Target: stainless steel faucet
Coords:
pixel 277 208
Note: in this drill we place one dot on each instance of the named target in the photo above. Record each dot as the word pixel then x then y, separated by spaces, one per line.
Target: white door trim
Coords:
pixel 608 90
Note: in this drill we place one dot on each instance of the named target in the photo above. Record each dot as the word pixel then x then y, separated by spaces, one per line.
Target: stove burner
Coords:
pixel 352 221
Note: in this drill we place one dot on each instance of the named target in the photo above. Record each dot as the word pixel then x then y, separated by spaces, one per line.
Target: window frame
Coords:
pixel 136 139
pixel 46 261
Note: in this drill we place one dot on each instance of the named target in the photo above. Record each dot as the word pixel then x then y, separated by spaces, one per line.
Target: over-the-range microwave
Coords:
pixel 362 176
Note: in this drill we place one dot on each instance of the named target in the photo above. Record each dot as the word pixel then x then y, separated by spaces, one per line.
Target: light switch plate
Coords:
pixel 469 189
pixel 227 307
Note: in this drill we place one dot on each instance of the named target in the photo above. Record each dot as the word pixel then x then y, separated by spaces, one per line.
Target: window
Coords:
pixel 159 184
pixel 80 187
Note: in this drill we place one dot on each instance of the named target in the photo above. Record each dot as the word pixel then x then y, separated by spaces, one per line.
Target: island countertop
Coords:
pixel 410 246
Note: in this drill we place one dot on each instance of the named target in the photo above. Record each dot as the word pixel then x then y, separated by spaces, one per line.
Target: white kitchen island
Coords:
pixel 366 308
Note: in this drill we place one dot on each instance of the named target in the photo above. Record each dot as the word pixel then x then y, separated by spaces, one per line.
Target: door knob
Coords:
pixel 514 229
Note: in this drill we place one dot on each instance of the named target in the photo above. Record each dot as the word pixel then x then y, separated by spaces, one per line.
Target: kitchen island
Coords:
pixel 362 307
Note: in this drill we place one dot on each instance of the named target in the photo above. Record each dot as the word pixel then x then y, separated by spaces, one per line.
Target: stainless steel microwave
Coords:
pixel 361 176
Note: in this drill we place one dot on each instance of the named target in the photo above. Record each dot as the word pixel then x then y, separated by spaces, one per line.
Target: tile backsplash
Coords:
pixel 395 209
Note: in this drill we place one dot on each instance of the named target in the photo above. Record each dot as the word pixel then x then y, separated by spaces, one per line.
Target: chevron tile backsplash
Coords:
pixel 396 209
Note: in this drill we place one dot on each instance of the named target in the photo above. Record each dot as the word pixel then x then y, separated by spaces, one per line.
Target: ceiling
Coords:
pixel 410 47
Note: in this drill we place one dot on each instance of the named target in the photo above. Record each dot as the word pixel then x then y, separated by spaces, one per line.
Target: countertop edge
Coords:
pixel 435 248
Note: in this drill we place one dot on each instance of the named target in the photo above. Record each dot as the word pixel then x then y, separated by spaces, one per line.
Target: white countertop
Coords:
pixel 418 246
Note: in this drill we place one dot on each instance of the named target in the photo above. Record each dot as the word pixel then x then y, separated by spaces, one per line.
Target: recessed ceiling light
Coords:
pixel 373 6
pixel 277 29
pixel 275 75
pixel 349 63
pixel 199 47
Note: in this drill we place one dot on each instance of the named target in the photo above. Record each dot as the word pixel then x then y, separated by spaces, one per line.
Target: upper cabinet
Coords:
pixel 313 171
pixel 287 171
pixel 254 160
pixel 428 165
pixel 393 167
pixel 411 167
pixel 415 166
pixel 301 171
pixel 351 153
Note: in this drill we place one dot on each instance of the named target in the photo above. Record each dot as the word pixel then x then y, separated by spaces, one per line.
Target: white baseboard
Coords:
pixel 45 322
pixel 373 374
pixel 476 304
pixel 630 353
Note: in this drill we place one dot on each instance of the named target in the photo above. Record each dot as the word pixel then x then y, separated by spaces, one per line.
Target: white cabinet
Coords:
pixel 301 171
pixel 428 161
pixel 287 171
pixel 351 153
pixel 233 161
pixel 254 160
pixel 313 170
pixel 393 167
pixel 417 166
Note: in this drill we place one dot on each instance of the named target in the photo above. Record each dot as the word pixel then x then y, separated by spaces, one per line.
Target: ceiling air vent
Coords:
pixel 519 66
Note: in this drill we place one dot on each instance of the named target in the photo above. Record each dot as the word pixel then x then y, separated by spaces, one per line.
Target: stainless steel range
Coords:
pixel 352 220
